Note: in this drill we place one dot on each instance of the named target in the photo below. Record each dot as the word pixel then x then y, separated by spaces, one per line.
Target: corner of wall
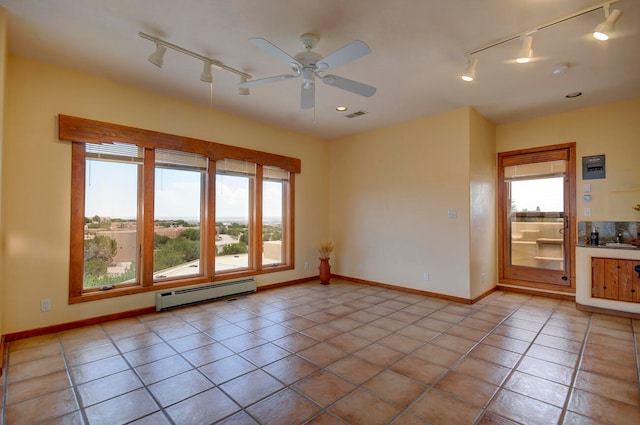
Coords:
pixel 482 215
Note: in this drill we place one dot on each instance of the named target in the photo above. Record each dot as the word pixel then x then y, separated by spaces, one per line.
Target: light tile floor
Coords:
pixel 343 353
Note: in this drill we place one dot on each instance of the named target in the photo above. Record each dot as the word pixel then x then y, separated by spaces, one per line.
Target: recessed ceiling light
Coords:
pixel 341 108
pixel 574 94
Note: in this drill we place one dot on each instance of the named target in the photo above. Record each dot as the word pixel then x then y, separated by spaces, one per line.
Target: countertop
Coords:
pixel 605 246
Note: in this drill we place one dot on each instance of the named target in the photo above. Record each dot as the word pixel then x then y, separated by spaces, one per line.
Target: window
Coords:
pixel 234 181
pixel 178 201
pixel 111 214
pixel 152 211
pixel 274 195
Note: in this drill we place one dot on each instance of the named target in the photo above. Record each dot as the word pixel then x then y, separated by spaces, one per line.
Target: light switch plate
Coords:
pixel 452 213
pixel 587 212
pixel 586 188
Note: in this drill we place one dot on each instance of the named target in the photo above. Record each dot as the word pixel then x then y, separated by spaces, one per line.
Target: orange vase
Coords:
pixel 325 271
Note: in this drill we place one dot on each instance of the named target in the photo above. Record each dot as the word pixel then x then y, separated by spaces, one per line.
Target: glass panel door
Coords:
pixel 535 211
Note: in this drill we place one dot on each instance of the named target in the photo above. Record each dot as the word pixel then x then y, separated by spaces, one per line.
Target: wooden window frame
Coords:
pixel 80 131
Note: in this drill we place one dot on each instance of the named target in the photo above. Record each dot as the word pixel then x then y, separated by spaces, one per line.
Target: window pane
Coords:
pixel 232 222
pixel 111 217
pixel 272 219
pixel 537 222
pixel 176 240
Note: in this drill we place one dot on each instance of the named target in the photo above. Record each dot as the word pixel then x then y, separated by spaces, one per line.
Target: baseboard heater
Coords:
pixel 182 297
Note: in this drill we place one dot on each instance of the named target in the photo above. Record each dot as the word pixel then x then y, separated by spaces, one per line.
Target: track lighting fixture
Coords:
pixel 526 52
pixel 157 57
pixel 244 91
pixel 206 73
pixel 604 30
pixel 469 74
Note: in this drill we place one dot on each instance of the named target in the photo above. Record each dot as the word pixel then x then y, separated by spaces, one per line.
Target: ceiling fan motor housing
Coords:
pixel 307 64
pixel 309 40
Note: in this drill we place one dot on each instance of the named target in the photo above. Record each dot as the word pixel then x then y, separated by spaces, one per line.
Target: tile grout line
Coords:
pixel 5 378
pixel 194 368
pixel 444 374
pixel 135 372
pixel 576 370
pixel 197 368
pixel 357 386
pixel 501 387
pixel 463 357
pixel 74 387
pixel 636 350
pixel 555 312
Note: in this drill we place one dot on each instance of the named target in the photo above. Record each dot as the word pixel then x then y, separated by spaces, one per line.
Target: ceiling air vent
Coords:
pixel 356 114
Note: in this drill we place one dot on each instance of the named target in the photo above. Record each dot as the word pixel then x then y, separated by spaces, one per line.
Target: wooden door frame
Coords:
pixel 571 214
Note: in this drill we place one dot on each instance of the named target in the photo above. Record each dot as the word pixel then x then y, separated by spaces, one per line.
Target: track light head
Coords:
pixel 206 72
pixel 526 52
pixel 157 57
pixel 606 28
pixel 469 74
pixel 244 91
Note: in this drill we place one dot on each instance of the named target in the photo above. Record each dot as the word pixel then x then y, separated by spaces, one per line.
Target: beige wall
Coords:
pixel 483 174
pixel 3 63
pixel 36 182
pixel 391 190
pixel 613 130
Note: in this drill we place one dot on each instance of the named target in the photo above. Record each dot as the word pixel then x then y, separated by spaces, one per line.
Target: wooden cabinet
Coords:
pixel 615 279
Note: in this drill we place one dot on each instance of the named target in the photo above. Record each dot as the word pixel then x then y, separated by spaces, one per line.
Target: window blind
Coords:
pixel 235 168
pixel 181 160
pixel 538 170
pixel 119 152
pixel 274 174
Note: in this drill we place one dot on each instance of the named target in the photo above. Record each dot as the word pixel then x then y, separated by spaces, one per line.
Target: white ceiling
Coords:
pixel 417 54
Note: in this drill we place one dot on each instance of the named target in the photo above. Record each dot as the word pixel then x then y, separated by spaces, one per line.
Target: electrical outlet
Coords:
pixel 360 267
pixel 587 212
pixel 306 266
pixel 452 213
pixel 484 277
pixel 45 304
pixel 425 276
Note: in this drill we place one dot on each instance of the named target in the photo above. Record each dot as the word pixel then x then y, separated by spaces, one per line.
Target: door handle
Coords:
pixel 566 225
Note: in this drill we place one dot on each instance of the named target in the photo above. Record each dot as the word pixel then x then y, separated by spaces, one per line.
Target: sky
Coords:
pixel 544 193
pixel 111 190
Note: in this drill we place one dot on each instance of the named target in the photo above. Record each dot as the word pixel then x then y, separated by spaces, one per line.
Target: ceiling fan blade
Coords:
pixel 271 48
pixel 308 96
pixel 348 53
pixel 349 85
pixel 261 81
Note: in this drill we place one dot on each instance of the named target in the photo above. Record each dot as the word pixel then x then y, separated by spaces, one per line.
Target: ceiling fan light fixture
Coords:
pixel 307 78
pixel 526 52
pixel 606 28
pixel 469 74
pixel 157 57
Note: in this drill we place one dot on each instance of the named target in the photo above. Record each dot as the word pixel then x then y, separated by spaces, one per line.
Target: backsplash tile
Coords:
pixel 608 230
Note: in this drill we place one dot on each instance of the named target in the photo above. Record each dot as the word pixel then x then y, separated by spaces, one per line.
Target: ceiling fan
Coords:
pixel 308 65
